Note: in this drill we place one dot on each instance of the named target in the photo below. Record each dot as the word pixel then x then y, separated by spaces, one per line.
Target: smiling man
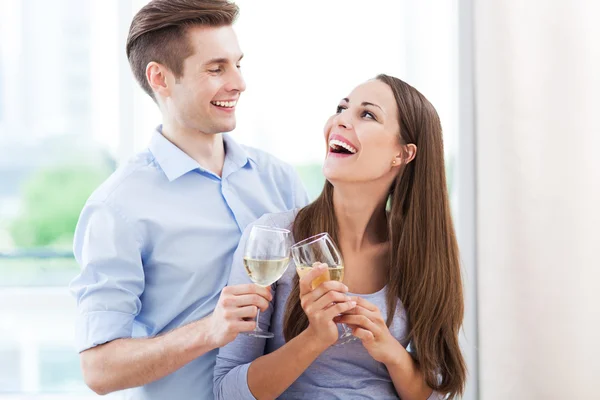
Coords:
pixel 155 241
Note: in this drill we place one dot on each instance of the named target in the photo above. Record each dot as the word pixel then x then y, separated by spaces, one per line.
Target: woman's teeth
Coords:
pixel 336 144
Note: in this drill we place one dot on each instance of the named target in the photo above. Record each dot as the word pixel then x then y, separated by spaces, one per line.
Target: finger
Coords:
pixel 365 304
pixel 249 288
pixel 244 312
pixel 376 317
pixel 359 310
pixel 246 300
pixel 339 308
pixel 326 301
pixel 364 335
pixel 329 286
pixel 311 297
pixel 306 280
pixel 244 326
pixel 360 321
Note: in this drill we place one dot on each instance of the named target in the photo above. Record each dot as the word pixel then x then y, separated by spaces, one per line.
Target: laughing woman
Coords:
pixel 385 203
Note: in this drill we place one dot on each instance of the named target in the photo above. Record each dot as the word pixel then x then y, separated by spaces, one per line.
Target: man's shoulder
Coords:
pixel 282 219
pixel 128 178
pixel 267 162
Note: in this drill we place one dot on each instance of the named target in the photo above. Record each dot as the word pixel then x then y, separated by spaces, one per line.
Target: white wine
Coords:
pixel 265 272
pixel 335 273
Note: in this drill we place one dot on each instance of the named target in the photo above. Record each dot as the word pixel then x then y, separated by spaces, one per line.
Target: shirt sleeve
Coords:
pixel 233 361
pixel 300 195
pixel 111 280
pixel 437 396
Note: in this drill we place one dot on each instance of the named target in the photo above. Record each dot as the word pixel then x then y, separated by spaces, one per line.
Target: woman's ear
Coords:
pixel 407 155
pixel 410 153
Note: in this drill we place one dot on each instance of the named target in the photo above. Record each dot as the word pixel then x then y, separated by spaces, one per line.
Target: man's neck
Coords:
pixel 207 150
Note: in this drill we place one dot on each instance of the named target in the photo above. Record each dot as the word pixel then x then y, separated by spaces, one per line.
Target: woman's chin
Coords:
pixel 332 173
pixel 335 176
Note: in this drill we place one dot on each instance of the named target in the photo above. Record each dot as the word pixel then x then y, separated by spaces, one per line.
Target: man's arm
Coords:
pixel 108 291
pixel 126 363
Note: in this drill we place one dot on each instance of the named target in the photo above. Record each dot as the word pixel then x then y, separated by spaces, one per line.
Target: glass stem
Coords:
pixel 257 316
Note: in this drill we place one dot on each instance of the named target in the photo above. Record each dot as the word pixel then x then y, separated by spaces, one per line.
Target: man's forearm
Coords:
pixel 126 363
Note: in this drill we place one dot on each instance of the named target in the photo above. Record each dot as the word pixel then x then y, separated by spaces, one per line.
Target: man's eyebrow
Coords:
pixel 221 60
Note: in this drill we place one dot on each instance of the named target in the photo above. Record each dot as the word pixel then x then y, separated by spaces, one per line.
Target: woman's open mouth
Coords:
pixel 341 148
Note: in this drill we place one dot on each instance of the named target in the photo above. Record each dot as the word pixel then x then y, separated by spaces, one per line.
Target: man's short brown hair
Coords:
pixel 158 33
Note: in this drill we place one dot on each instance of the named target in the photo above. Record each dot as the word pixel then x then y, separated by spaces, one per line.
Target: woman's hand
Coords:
pixel 323 304
pixel 369 326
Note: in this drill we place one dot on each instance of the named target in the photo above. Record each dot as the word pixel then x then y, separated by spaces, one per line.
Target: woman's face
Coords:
pixel 362 138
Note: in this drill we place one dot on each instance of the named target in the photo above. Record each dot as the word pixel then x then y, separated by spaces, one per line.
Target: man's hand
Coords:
pixel 235 312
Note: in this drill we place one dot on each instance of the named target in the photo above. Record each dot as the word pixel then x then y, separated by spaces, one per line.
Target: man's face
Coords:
pixel 204 98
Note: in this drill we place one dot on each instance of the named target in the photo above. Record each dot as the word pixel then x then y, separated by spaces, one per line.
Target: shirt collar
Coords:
pixel 176 163
pixel 235 153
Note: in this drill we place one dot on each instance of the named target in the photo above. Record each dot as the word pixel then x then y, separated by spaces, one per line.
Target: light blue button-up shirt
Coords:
pixel 155 244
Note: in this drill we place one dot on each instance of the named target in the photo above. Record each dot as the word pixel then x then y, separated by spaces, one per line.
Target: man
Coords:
pixel 155 241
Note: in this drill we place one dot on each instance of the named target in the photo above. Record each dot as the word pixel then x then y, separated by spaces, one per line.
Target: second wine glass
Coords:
pixel 321 249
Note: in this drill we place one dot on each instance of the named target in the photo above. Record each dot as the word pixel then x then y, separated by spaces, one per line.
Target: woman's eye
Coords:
pixel 340 109
pixel 368 114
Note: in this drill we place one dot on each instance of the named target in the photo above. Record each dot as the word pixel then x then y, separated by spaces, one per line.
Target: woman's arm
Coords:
pixel 407 378
pixel 268 376
pixel 263 376
pixel 370 327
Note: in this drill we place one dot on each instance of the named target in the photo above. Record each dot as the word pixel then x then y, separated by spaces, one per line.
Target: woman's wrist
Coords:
pixel 397 356
pixel 312 342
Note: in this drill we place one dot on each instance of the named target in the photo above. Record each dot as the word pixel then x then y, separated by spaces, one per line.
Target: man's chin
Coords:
pixel 225 128
pixel 216 129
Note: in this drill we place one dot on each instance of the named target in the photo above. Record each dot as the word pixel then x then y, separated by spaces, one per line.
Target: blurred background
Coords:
pixel 516 85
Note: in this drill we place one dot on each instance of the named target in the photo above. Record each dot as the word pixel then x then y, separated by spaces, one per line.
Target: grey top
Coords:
pixel 341 372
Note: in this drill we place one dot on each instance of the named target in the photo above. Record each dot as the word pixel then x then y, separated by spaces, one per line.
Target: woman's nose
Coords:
pixel 343 120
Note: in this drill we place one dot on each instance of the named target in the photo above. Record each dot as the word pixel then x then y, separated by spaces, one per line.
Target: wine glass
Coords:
pixel 321 249
pixel 266 257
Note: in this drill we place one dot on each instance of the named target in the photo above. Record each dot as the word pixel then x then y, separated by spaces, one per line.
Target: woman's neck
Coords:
pixel 361 216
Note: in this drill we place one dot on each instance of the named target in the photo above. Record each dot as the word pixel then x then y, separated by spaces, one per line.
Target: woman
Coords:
pixel 385 204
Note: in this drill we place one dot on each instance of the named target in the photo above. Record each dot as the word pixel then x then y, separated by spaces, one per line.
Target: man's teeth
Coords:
pixel 228 104
pixel 338 143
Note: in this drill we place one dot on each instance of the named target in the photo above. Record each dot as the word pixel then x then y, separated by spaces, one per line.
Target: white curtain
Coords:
pixel 537 100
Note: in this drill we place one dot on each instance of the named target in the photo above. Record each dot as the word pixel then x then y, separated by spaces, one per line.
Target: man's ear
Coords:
pixel 156 75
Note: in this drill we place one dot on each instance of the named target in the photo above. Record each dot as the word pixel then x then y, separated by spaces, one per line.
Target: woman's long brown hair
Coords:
pixel 424 263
